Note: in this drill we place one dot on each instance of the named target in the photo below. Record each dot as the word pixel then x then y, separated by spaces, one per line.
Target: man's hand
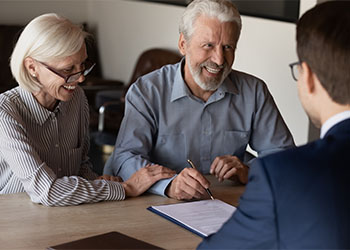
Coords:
pixel 110 178
pixel 144 178
pixel 227 167
pixel 188 185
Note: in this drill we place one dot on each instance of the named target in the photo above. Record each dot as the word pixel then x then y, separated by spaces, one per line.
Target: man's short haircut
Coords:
pixel 224 10
pixel 45 38
pixel 323 42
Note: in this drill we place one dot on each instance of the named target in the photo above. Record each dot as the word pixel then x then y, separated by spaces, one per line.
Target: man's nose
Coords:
pixel 218 56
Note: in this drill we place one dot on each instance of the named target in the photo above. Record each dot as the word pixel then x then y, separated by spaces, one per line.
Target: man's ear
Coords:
pixel 182 44
pixel 308 77
pixel 30 65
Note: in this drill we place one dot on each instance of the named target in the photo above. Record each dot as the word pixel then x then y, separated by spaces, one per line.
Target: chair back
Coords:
pixel 151 60
pixel 8 37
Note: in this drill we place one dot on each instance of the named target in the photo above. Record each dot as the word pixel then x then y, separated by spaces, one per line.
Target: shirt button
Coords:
pixel 56 145
pixel 60 169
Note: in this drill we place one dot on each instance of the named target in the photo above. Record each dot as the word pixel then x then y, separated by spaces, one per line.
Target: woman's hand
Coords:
pixel 144 178
pixel 109 178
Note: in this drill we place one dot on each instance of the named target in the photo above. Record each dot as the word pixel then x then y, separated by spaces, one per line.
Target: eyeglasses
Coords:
pixel 294 67
pixel 88 65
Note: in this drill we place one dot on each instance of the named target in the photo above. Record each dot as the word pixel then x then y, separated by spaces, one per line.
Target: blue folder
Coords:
pixel 176 221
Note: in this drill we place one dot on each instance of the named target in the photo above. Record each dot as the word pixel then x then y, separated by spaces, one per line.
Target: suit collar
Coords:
pixel 342 127
pixel 332 121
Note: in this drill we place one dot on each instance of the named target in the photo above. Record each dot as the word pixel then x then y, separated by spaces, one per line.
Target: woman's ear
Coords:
pixel 182 44
pixel 30 65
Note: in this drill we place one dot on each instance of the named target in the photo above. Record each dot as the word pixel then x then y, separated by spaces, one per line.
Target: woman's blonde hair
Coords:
pixel 45 38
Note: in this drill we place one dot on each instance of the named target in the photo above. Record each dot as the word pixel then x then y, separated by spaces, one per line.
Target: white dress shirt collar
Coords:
pixel 333 121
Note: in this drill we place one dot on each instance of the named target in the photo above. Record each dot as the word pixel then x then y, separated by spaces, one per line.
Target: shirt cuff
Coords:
pixel 116 191
pixel 159 187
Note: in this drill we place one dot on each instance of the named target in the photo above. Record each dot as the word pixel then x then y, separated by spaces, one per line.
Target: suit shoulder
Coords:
pixel 320 155
pixel 291 155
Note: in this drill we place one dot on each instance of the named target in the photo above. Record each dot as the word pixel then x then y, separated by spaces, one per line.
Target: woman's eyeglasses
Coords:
pixel 75 76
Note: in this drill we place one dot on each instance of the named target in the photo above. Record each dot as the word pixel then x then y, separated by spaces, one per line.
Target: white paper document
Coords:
pixel 201 217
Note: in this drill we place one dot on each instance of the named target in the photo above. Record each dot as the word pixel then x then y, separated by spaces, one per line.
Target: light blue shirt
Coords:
pixel 166 124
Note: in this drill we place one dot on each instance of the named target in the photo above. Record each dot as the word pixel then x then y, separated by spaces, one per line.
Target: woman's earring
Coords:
pixel 34 75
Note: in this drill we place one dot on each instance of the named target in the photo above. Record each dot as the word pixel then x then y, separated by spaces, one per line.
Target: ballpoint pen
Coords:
pixel 207 189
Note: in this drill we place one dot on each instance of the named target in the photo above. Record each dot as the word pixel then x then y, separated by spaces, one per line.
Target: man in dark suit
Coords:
pixel 300 198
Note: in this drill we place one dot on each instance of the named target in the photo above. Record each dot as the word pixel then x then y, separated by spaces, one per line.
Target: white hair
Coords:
pixel 45 38
pixel 224 10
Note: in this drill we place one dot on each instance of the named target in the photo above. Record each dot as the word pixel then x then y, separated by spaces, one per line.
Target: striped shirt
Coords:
pixel 44 153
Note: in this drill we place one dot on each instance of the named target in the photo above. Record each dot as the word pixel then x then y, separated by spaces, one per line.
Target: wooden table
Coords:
pixel 25 225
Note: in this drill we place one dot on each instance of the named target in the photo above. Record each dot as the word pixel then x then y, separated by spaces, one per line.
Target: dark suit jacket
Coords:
pixel 298 198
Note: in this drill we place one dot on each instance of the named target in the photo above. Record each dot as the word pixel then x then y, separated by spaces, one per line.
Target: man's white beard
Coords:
pixel 212 84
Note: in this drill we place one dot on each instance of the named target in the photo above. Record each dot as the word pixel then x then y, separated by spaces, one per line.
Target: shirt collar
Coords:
pixel 38 112
pixel 180 88
pixel 331 122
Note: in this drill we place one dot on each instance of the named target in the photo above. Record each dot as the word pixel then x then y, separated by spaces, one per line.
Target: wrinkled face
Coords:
pixel 54 87
pixel 209 52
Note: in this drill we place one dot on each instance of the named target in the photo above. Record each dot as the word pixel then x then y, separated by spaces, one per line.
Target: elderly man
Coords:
pixel 199 109
pixel 300 198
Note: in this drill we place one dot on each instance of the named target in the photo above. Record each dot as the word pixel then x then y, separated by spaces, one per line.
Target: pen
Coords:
pixel 207 189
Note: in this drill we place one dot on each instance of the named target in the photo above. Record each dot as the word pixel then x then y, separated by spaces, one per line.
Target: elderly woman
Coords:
pixel 44 122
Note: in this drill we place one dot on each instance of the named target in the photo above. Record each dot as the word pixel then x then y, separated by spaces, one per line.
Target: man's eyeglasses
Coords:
pixel 294 67
pixel 88 65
